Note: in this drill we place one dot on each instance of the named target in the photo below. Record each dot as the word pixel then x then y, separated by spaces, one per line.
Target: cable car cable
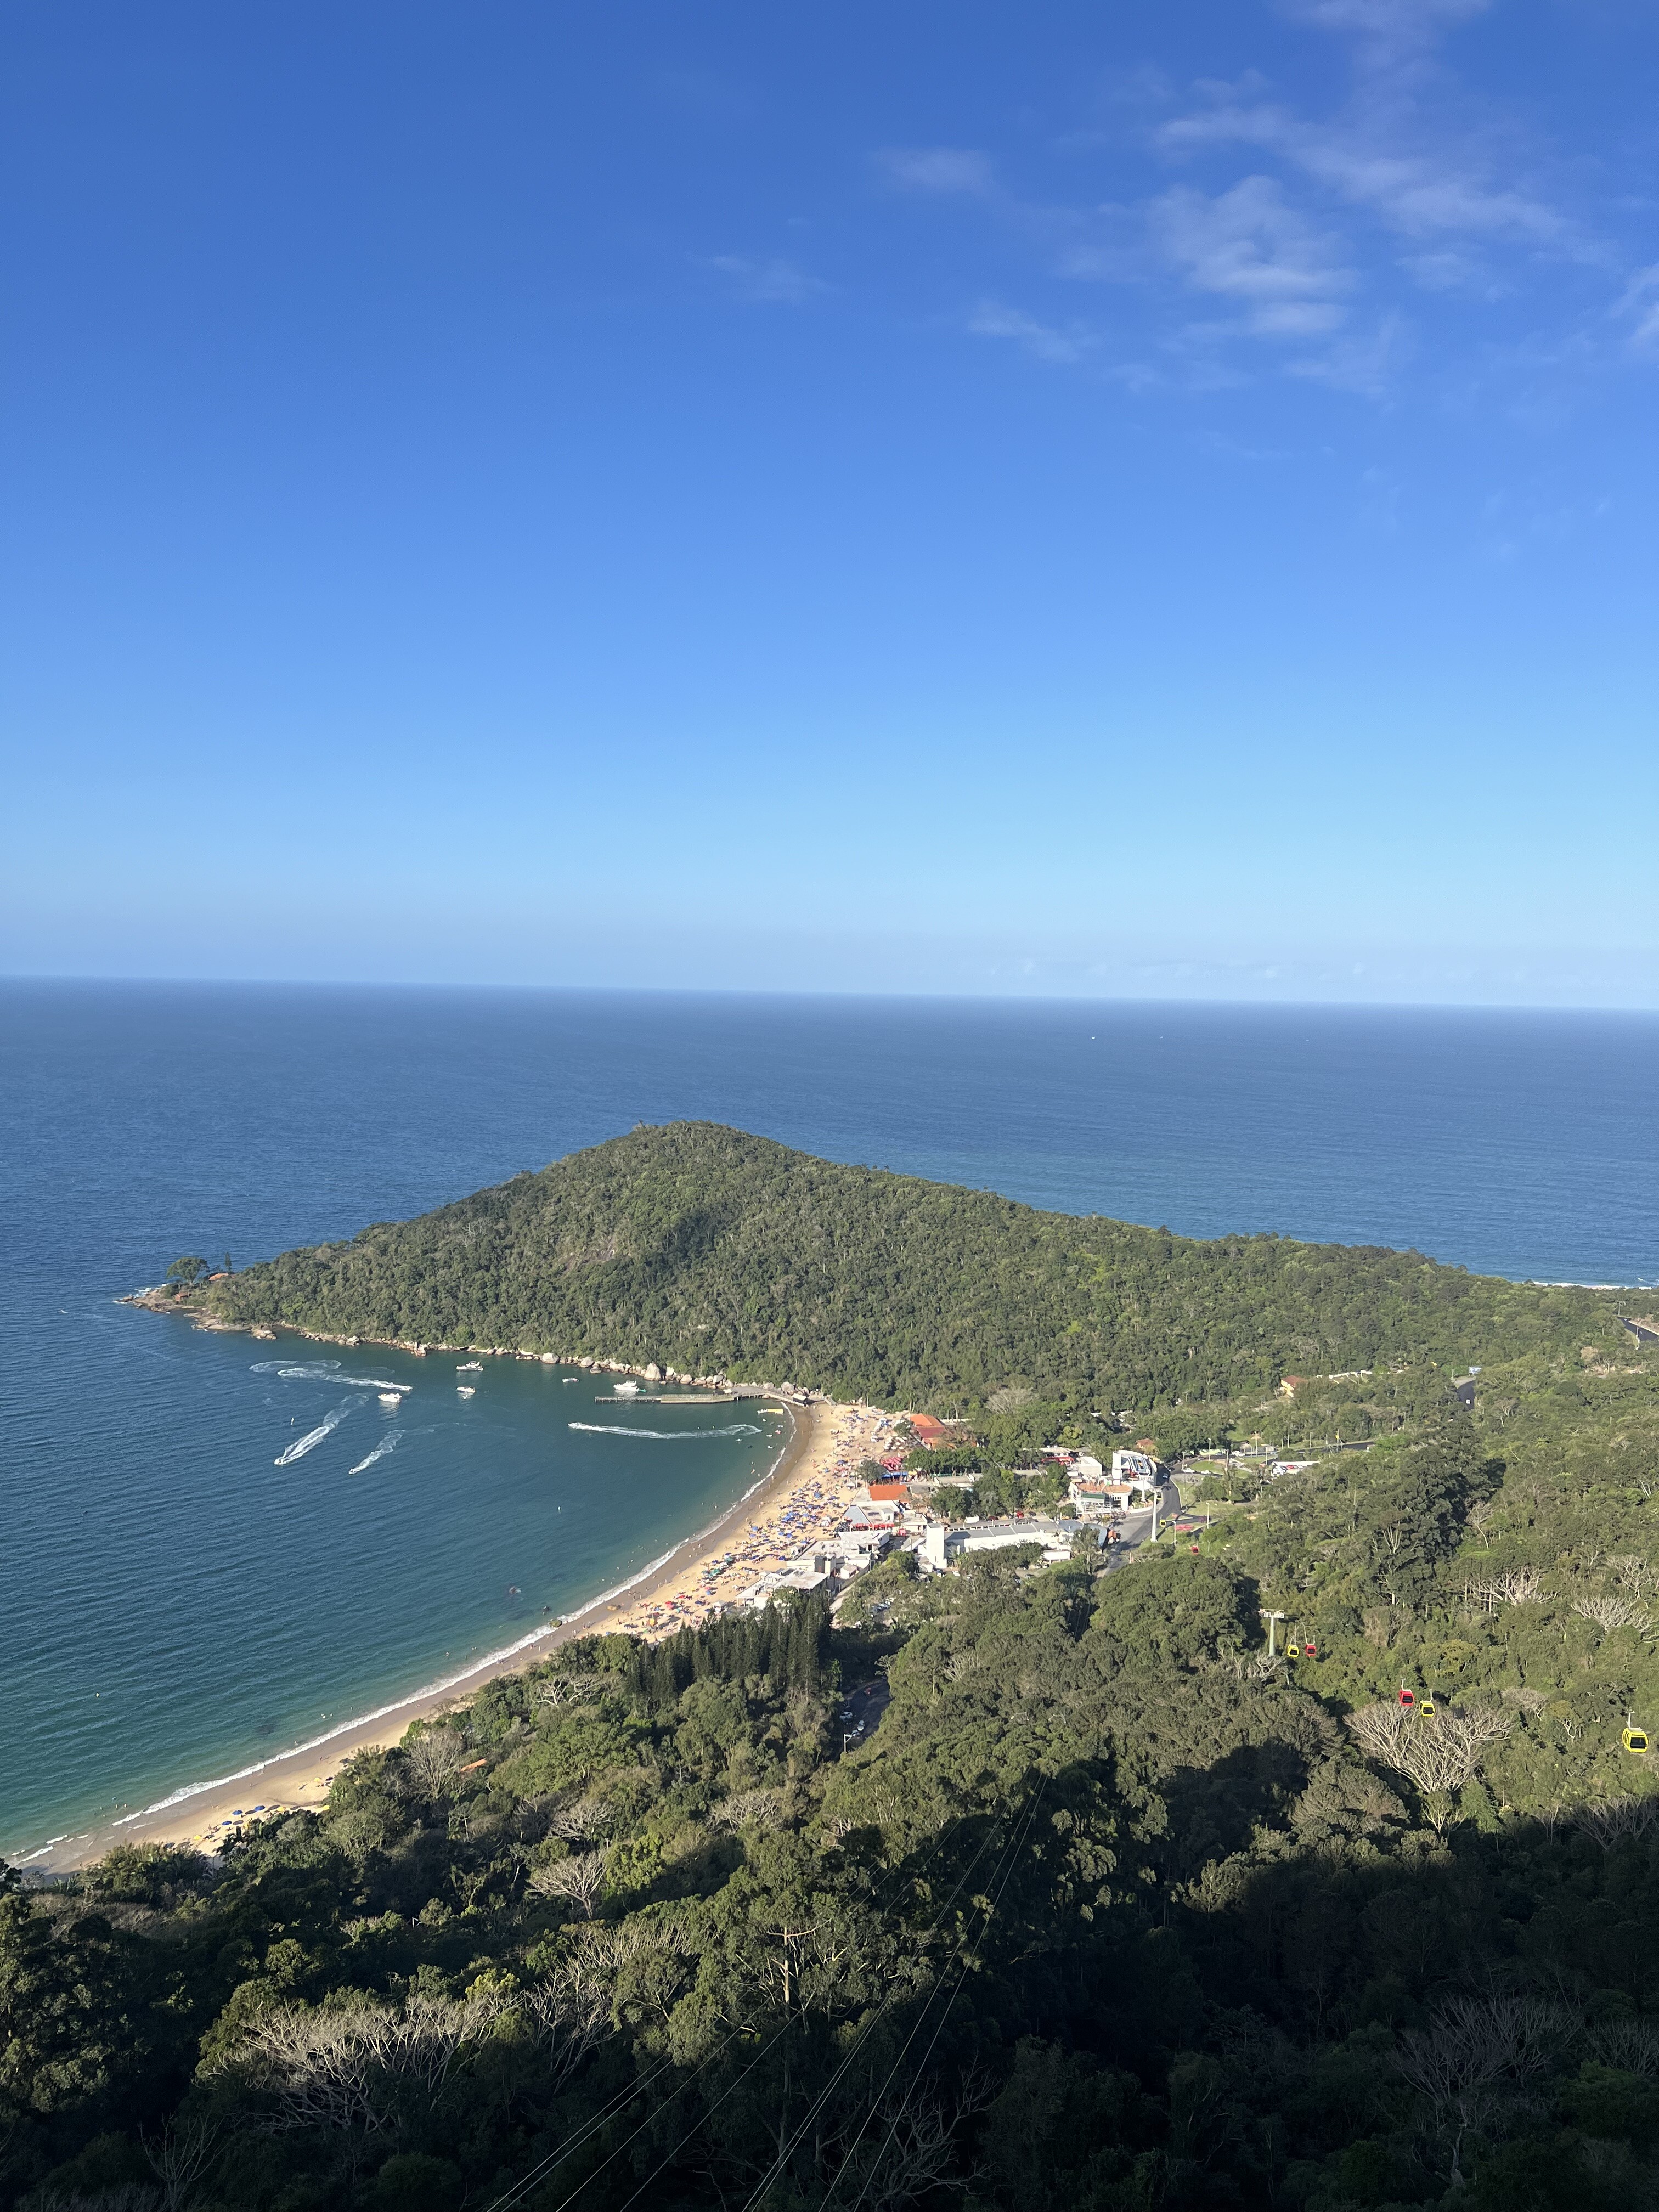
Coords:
pixel 1021 1828
pixel 859 2041
pixel 991 1902
pixel 573 2143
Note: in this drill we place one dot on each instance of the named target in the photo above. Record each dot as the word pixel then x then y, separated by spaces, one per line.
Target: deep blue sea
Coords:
pixel 174 1605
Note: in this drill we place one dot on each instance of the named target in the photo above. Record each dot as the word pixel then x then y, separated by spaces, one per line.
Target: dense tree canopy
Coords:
pixel 1110 1910
pixel 712 1251
pixel 1113 1910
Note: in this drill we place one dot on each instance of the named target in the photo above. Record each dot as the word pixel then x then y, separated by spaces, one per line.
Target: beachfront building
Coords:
pixel 943 1547
pixel 804 1575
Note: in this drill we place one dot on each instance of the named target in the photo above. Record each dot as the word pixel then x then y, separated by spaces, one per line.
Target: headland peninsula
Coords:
pixel 1301 1853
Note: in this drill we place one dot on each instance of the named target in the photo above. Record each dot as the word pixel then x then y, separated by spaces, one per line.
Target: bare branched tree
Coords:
pixel 909 2146
pixel 581 1878
pixel 1529 1701
pixel 580 1819
pixel 346 2066
pixel 571 1689
pixel 569 2013
pixel 1632 2046
pixel 1611 1613
pixel 1437 1756
pixel 179 2156
pixel 1519 1586
pixel 1474 2055
pixel 1609 1821
pixel 1633 1571
pixel 434 1760
pixel 749 1809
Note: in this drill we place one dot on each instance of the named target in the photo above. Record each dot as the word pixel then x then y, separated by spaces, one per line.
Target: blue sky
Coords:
pixel 1149 501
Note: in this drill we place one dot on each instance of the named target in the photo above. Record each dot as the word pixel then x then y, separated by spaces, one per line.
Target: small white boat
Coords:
pixel 464 1391
pixel 392 1397
pixel 470 1367
pixel 625 1389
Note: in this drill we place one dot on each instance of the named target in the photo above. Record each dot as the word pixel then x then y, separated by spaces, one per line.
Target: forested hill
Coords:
pixel 713 1251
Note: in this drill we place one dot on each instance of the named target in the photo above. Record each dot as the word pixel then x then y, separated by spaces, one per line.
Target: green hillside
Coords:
pixel 711 1251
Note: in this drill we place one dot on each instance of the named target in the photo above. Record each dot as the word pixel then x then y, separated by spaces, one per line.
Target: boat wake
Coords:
pixel 312 1437
pixel 322 1371
pixel 389 1443
pixel 667 1436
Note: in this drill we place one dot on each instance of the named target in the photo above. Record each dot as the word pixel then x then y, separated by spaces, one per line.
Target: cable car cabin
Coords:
pixel 1194 1551
pixel 1426 1705
pixel 1309 1651
pixel 1405 1698
pixel 1636 1739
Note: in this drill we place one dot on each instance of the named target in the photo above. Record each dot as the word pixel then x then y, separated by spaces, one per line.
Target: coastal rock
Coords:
pixel 653 1372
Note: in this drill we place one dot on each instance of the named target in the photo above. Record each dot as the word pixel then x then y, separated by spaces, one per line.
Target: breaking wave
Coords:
pixel 312 1437
pixel 389 1441
pixel 667 1436
pixel 321 1370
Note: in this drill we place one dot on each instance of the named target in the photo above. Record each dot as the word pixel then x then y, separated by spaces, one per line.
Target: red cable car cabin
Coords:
pixel 1407 1698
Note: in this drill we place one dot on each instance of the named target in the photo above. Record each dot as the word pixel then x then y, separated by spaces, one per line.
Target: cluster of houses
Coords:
pixel 886 1519
pixel 1133 1480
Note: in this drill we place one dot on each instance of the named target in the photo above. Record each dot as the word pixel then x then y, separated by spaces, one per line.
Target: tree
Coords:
pixel 190 1268
pixel 1474 2054
pixel 1437 1753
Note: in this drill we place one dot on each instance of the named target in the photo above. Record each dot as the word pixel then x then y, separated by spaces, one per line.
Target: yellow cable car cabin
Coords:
pixel 1426 1705
pixel 1636 1739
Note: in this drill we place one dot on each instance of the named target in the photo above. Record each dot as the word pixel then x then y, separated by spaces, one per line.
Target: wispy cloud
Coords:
pixel 947 170
pixel 1392 30
pixel 771 279
pixel 992 319
pixel 1640 303
pixel 1250 246
pixel 1351 242
pixel 1422 193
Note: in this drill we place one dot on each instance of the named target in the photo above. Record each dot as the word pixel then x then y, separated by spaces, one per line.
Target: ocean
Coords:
pixel 174 1605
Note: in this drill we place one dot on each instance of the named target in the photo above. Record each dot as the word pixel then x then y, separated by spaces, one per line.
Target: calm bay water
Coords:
pixel 172 1604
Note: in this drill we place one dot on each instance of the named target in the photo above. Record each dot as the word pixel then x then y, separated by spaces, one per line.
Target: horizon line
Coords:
pixel 1308 1005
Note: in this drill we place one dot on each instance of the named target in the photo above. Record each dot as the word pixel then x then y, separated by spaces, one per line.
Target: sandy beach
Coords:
pixel 804 1497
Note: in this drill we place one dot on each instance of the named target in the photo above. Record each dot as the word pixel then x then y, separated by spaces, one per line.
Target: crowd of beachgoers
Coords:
pixel 807 1512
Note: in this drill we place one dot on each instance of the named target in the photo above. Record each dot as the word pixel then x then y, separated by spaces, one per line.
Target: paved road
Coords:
pixel 1134 1529
pixel 858 1714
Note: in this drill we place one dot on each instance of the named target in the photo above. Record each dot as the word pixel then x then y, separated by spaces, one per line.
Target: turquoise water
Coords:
pixel 174 1604
pixel 208 1606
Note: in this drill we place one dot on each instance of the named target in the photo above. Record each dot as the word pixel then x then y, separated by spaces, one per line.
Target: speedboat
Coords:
pixel 470 1367
pixel 464 1391
pixel 392 1397
pixel 625 1389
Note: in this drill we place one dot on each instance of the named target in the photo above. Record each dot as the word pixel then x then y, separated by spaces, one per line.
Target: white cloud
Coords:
pixel 772 279
pixel 1420 193
pixel 1392 30
pixel 1639 301
pixel 991 319
pixel 943 169
pixel 1250 245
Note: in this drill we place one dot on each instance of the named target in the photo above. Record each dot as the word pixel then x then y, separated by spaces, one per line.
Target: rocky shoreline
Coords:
pixel 159 1298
